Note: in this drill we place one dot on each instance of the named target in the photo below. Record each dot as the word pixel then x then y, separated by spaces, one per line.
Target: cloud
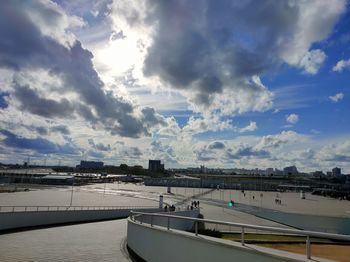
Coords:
pixel 60 129
pixel 225 46
pixel 204 155
pixel 276 141
pixel 216 145
pixel 30 101
pixel 163 151
pixel 39 145
pixel 99 146
pixel 335 152
pixel 341 65
pixel 337 97
pixel 312 61
pixel 292 118
pixel 28 45
pixel 242 151
pixel 132 152
pixel 251 127
pixel 3 100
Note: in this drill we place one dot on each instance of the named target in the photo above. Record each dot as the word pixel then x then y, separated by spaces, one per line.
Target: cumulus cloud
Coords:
pixel 276 141
pixel 163 151
pixel 251 127
pixel 28 44
pixel 341 65
pixel 312 61
pixel 226 47
pixel 337 97
pixel 335 152
pixel 292 118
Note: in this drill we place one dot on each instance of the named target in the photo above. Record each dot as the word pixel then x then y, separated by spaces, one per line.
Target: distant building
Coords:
pixel 269 171
pixel 91 164
pixel 318 174
pixel 155 166
pixel 290 170
pixel 336 171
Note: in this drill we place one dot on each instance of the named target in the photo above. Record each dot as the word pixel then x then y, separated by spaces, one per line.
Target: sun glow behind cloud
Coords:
pixel 189 82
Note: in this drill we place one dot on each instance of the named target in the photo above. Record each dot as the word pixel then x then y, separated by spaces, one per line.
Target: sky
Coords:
pixel 225 84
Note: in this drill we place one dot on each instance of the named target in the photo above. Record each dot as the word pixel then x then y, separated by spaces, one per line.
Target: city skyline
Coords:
pixel 255 84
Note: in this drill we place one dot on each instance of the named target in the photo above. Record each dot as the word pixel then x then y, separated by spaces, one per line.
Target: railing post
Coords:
pixel 308 247
pixel 25 209
pixel 37 209
pixel 13 209
pixel 242 236
pixel 196 228
pixel 151 221
pixel 168 226
pixel 141 220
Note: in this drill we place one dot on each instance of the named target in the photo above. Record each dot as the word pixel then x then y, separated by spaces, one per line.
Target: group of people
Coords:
pixel 171 208
pixel 194 204
pixel 278 201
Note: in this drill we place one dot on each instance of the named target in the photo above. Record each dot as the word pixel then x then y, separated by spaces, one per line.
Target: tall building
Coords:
pixel 155 166
pixel 336 171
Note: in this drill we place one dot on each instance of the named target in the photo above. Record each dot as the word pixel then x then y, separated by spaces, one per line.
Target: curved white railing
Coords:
pixel 139 216
pixel 65 208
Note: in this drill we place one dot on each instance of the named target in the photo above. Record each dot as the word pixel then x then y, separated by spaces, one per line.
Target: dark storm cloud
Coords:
pixel 38 145
pixel 24 46
pixel 207 46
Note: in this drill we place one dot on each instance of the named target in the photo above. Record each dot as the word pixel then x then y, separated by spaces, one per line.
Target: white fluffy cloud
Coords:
pixel 337 97
pixel 292 118
pixel 312 61
pixel 341 65
pixel 251 127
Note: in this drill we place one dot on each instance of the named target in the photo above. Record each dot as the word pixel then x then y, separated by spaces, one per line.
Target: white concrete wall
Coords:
pixel 159 244
pixel 15 220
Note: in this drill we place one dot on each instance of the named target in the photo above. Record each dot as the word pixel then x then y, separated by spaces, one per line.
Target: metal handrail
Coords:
pixel 305 233
pixel 4 209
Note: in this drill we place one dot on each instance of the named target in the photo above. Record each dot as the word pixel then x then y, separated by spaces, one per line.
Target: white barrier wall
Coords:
pixel 159 244
pixel 15 220
pixel 180 224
